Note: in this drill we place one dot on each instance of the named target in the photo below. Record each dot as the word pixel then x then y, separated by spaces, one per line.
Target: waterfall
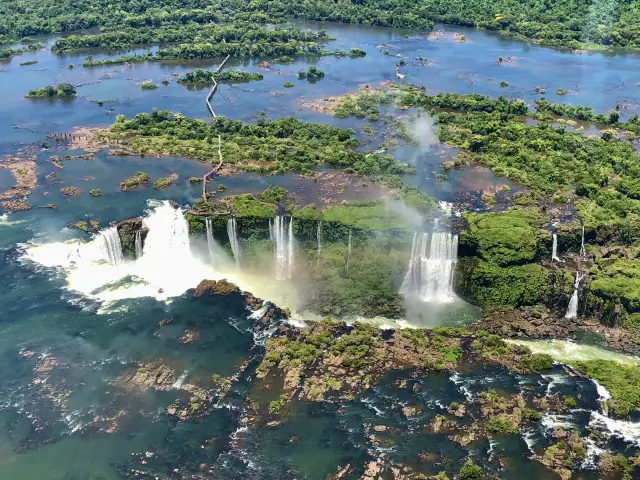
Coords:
pixel 233 240
pixel 138 244
pixel 554 250
pixel 168 237
pixel 583 252
pixel 210 241
pixel 320 240
pixel 290 250
pixel 572 309
pixel 110 247
pixel 283 246
pixel 431 267
pixel 349 248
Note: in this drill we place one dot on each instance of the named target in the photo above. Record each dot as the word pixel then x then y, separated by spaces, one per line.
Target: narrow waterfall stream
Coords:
pixel 349 247
pixel 232 231
pixel 554 249
pixel 138 244
pixel 320 241
pixel 210 241
pixel 572 309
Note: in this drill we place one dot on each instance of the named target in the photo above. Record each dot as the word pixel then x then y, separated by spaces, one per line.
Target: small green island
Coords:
pixel 62 90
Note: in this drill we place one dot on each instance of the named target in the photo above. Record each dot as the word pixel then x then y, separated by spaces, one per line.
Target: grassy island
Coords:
pixel 63 90
pixel 230 76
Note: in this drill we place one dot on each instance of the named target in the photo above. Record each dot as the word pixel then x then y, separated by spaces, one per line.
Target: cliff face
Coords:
pixel 127 230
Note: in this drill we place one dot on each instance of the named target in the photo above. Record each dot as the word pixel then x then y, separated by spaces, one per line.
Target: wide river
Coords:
pixel 65 339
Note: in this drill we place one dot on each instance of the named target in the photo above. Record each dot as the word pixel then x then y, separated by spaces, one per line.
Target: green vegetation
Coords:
pixel 207 42
pixel 622 382
pixel 29 62
pixel 312 74
pixel 243 39
pixel 165 182
pixel 578 24
pixel 502 425
pixel 270 146
pixel 288 84
pixel 248 206
pixel 368 215
pixel 276 406
pixel 95 192
pixel 231 76
pixel 149 86
pixel 504 84
pixel 134 181
pixel 19 19
pixel 470 470
pixel 63 90
pixel 273 195
pixel 31 46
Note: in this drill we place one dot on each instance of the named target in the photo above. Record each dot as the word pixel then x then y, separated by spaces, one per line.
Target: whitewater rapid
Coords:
pixel 166 268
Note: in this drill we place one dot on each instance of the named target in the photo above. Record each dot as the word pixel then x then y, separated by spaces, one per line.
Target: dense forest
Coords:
pixel 573 24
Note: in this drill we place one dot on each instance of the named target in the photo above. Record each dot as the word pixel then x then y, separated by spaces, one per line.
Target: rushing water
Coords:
pixel 431 267
pixel 572 309
pixel 110 247
pixel 282 237
pixel 77 315
pixel 232 231
pixel 210 240
pixel 138 244
pixel 554 248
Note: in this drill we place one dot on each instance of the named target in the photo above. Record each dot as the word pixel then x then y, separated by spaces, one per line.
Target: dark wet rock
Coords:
pixel 24 174
pixel 330 359
pixel 441 424
pixel 85 225
pixel 69 192
pixel 543 323
pixel 565 454
pixel 146 376
pixel 51 206
pixel 15 205
pixel 213 287
pixel 127 230
pixel 189 336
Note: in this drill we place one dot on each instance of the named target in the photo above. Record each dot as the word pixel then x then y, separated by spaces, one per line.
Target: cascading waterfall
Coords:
pixel 233 240
pixel 320 240
pixel 290 250
pixel 138 244
pixel 168 237
pixel 283 246
pixel 110 247
pixel 349 248
pixel 583 252
pixel 210 241
pixel 97 270
pixel 572 309
pixel 554 250
pixel 431 267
